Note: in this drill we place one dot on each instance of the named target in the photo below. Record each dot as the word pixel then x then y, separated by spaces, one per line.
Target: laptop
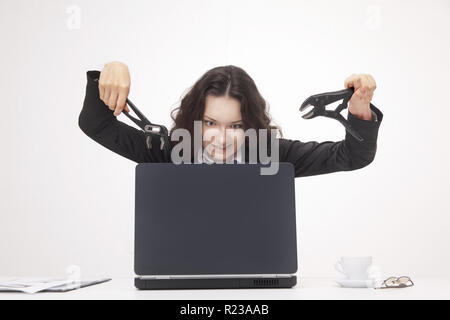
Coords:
pixel 205 226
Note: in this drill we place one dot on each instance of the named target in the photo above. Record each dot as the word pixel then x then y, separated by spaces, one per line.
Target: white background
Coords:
pixel 67 200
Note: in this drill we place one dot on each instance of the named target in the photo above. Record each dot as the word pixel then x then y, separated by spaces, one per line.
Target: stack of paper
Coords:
pixel 33 285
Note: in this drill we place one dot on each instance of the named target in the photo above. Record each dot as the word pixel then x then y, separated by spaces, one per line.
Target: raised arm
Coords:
pixel 98 120
pixel 314 158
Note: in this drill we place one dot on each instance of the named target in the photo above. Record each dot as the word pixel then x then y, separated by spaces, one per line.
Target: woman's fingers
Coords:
pixel 371 82
pixel 121 101
pixel 349 81
pixel 363 81
pixel 353 81
pixel 101 90
pixel 113 100
pixel 364 86
pixel 114 86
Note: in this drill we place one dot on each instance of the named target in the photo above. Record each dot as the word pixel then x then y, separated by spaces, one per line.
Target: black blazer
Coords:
pixel 98 122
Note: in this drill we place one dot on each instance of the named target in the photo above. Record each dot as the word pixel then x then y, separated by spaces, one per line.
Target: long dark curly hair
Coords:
pixel 229 81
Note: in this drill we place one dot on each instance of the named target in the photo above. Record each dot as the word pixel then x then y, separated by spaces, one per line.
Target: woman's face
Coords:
pixel 223 131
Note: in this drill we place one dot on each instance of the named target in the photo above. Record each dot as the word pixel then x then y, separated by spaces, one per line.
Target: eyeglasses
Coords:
pixel 396 282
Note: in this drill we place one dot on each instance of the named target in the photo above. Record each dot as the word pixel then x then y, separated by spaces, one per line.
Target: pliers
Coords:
pixel 150 129
pixel 320 101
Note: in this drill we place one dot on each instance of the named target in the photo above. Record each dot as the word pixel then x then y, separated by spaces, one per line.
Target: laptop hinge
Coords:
pixel 209 276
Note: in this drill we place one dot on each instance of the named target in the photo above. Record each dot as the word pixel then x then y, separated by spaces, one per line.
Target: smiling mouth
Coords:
pixel 222 148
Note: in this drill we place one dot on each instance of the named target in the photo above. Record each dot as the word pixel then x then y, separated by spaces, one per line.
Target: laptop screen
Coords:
pixel 200 219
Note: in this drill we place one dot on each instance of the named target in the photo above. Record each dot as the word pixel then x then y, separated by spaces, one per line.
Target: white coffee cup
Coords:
pixel 355 268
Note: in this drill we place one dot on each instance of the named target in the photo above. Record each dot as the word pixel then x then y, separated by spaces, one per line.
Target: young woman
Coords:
pixel 227 102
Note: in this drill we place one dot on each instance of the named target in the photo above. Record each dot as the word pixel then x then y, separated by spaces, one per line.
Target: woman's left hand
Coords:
pixel 359 104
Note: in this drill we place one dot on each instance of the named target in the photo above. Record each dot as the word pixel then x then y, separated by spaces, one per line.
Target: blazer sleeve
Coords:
pixel 98 122
pixel 314 158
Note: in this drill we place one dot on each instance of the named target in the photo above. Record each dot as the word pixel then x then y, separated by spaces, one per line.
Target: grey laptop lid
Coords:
pixel 212 219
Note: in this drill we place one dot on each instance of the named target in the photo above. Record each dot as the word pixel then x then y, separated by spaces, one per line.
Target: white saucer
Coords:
pixel 347 283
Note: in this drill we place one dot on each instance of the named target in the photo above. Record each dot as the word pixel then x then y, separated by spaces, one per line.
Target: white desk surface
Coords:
pixel 307 288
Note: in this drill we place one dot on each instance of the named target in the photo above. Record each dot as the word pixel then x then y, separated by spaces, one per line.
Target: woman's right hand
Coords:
pixel 114 86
